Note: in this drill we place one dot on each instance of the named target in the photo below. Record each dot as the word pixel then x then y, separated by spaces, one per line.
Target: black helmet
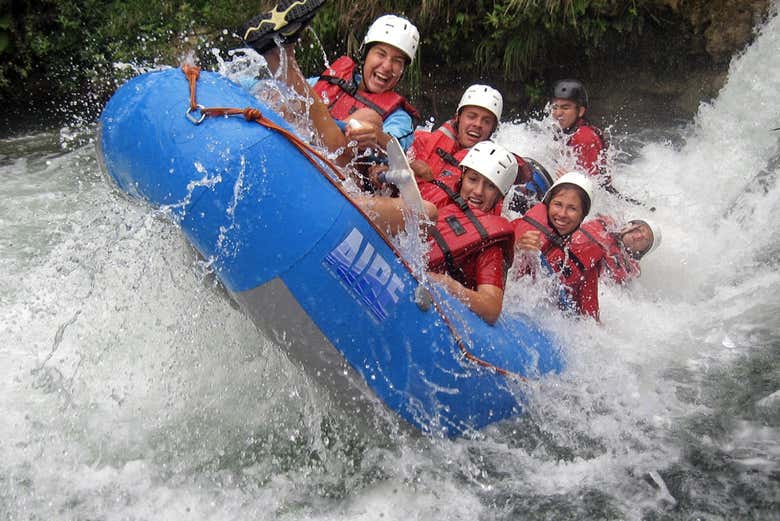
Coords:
pixel 572 90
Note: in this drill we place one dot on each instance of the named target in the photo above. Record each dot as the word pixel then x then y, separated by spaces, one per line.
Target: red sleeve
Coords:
pixel 537 212
pixel 588 147
pixel 586 293
pixel 490 267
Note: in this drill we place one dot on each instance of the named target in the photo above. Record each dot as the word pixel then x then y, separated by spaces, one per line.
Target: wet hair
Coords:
pixel 584 199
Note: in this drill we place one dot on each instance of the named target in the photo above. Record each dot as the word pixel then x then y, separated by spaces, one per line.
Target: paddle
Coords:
pixel 400 174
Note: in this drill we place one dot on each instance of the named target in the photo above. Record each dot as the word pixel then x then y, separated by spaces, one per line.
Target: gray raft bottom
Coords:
pixel 276 312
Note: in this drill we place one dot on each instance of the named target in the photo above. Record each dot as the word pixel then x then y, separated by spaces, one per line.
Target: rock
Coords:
pixel 726 25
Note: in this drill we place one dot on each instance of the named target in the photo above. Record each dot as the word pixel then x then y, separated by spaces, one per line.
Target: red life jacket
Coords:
pixel 438 190
pixel 439 148
pixel 583 122
pixel 463 232
pixel 341 93
pixel 620 266
pixel 576 263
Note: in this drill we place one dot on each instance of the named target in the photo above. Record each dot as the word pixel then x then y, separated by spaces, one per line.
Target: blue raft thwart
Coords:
pixel 308 267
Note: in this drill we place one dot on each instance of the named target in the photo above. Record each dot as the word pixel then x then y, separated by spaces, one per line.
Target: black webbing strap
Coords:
pixel 554 239
pixel 464 207
pixel 447 157
pixel 453 271
pixel 351 88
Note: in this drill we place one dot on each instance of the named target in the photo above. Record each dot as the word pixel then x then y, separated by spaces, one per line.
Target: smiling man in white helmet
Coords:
pixel 476 118
pixel 353 102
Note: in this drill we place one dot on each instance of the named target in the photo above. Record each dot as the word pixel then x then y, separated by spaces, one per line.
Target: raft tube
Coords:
pixel 308 267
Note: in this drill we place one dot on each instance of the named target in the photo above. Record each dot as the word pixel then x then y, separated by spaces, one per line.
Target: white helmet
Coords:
pixel 655 230
pixel 396 31
pixel 577 179
pixel 494 162
pixel 483 96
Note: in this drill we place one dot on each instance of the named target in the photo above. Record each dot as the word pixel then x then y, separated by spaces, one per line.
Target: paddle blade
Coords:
pixel 401 175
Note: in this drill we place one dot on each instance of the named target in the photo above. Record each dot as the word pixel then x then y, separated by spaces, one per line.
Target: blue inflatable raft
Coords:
pixel 308 267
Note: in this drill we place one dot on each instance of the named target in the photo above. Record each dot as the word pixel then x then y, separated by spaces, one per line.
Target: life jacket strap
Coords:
pixel 464 207
pixel 591 237
pixel 351 88
pixel 447 157
pixel 555 240
pixel 449 261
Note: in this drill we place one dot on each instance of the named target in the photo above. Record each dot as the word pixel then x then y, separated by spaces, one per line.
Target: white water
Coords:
pixel 130 388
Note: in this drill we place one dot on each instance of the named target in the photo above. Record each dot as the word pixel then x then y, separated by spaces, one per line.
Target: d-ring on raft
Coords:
pixel 301 259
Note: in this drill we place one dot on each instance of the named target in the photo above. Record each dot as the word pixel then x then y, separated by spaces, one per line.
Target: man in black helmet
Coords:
pixel 569 104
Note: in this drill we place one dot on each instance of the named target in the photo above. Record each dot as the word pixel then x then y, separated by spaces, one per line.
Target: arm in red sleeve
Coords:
pixel 588 147
pixel 586 293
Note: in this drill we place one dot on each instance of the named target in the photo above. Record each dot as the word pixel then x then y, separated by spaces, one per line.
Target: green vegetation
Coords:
pixel 58 49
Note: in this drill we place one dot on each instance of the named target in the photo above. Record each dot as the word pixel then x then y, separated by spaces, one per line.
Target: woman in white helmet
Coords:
pixel 366 91
pixel 549 227
pixel 623 246
pixel 362 95
pixel 472 246
pixel 476 118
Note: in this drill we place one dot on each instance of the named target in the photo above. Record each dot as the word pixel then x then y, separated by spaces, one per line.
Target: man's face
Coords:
pixel 475 124
pixel 637 237
pixel 566 112
pixel 383 67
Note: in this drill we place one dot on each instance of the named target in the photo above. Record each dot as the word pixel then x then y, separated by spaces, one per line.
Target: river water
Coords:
pixel 132 389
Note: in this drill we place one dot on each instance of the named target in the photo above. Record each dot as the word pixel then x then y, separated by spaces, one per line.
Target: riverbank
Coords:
pixel 650 63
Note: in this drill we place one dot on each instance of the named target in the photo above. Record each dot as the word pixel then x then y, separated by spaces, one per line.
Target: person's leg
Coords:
pixel 283 66
pixel 284 23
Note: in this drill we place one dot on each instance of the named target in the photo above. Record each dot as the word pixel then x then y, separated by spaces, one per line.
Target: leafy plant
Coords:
pixel 61 48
